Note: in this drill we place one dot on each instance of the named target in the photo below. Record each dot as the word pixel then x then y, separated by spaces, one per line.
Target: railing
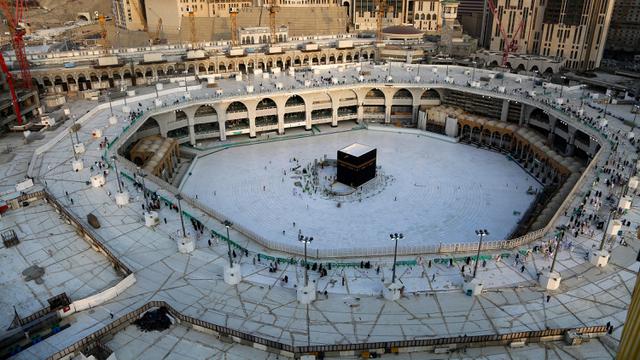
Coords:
pixel 95 339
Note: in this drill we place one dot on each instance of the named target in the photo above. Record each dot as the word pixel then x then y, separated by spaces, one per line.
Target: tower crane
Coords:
pixel 15 21
pixel 12 90
pixel 381 9
pixel 103 31
pixel 510 45
pixel 273 9
pixel 233 13
pixel 192 21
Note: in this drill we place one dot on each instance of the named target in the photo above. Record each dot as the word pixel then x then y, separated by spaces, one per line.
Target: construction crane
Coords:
pixel 510 45
pixel 233 13
pixel 273 9
pixel 381 9
pixel 155 39
pixel 104 42
pixel 12 90
pixel 15 21
pixel 192 21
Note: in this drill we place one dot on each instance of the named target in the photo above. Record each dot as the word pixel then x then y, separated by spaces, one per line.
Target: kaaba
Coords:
pixel 356 164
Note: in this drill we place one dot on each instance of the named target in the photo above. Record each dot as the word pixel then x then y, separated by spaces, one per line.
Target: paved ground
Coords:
pixel 431 190
pixel 193 283
pixel 183 343
pixel 70 264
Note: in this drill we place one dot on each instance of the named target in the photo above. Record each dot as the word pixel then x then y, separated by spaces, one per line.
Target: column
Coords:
pixel 360 114
pixel 334 117
pixel 222 127
pixel 280 121
pixel 192 131
pixel 523 110
pixel 307 116
pixel 505 110
pixel 387 111
pixel 552 130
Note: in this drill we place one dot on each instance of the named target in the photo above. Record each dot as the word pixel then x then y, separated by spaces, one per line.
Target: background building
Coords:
pixel 130 14
pixel 575 30
pixel 624 32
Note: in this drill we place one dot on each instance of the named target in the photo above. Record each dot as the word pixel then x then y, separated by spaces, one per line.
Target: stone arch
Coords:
pixel 181 115
pixel 374 94
pixel 205 110
pixel 431 94
pixel 520 68
pixel 236 106
pixel 294 100
pixel 403 93
pixel 494 63
pixel 548 71
pixel 82 17
pixel 535 68
pixel 266 103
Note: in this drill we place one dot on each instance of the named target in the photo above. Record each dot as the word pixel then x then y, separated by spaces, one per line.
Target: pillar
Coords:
pixel 307 117
pixel 505 110
pixel 387 112
pixel 192 132
pixel 334 117
pixel 523 111
pixel 360 113
pixel 280 121
pixel 222 127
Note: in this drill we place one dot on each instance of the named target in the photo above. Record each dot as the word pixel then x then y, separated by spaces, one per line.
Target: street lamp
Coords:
pixel 305 240
pixel 562 78
pixel 555 254
pixel 395 237
pixel 637 110
pixel 109 97
pixel 142 175
pixel 481 233
pixel 73 146
pixel 473 78
pixel 115 165
pixel 606 105
pixel 179 197
pixel 229 224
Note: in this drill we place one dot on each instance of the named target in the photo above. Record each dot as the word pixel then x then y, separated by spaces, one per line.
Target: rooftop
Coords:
pixel 357 149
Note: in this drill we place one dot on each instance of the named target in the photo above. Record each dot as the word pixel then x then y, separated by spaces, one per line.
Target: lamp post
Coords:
pixel 305 240
pixel 228 224
pixel 110 106
pixel 555 254
pixel 179 197
pixel 473 78
pixel 606 105
pixel 604 235
pixel 637 110
pixel 395 237
pixel 115 165
pixel 73 146
pixel 562 78
pixel 142 175
pixel 481 233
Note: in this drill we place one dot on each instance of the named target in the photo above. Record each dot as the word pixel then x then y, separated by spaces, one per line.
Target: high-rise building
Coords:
pixel 624 32
pixel 129 14
pixel 574 30
pixel 471 16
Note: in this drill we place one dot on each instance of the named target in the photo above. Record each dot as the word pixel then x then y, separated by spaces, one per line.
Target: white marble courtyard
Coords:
pixel 440 191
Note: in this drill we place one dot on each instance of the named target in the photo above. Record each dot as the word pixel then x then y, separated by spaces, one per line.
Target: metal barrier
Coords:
pixel 122 322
